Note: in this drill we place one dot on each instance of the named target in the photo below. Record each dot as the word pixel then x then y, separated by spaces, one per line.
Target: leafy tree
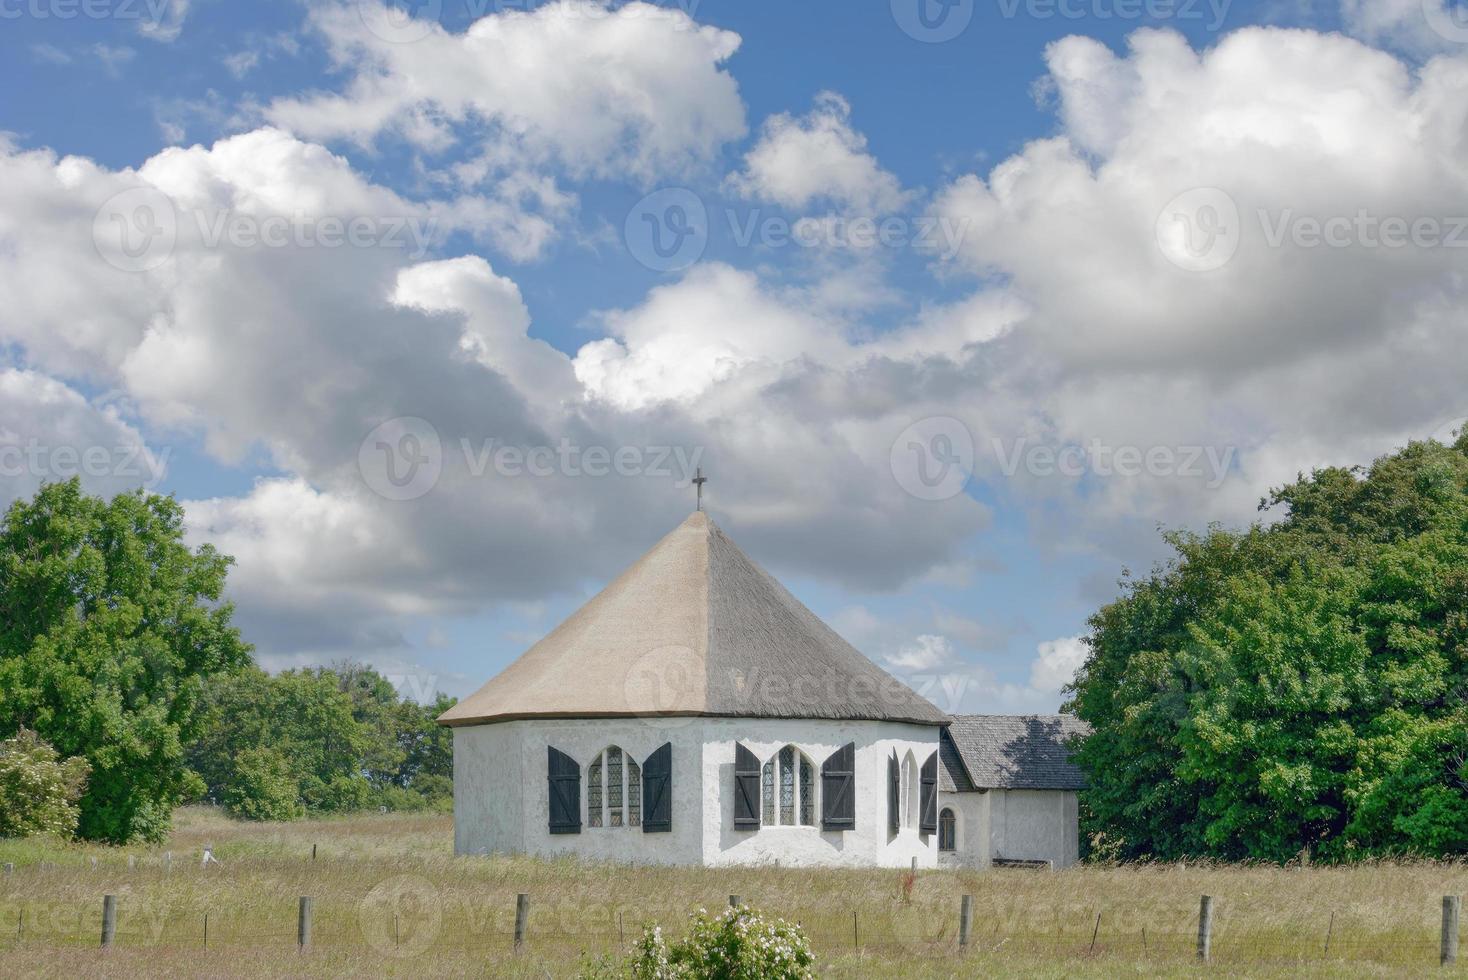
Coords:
pixel 1298 684
pixel 342 738
pixel 109 625
pixel 38 790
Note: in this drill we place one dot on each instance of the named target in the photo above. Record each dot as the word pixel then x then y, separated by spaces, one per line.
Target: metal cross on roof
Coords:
pixel 699 481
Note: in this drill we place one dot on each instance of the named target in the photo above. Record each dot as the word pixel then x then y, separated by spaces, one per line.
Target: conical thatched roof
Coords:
pixel 693 628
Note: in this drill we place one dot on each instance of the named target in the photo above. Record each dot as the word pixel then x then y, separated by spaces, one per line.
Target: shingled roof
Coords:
pixel 1010 752
pixel 694 627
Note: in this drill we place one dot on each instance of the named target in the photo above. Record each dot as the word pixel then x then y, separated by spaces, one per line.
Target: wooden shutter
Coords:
pixel 928 822
pixel 746 788
pixel 838 789
pixel 894 794
pixel 564 775
pixel 657 791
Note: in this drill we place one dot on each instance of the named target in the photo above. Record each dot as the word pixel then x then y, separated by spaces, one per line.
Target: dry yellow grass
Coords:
pixel 391 900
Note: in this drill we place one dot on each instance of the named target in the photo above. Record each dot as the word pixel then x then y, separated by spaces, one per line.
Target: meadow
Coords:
pixel 390 899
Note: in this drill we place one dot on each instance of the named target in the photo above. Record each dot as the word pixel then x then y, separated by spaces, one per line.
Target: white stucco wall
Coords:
pixel 1033 825
pixel 501 802
pixel 972 836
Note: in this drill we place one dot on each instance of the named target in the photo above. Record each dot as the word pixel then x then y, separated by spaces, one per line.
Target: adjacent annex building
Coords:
pixel 694 712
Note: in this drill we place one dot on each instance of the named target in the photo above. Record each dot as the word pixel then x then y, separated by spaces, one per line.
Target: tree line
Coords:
pixel 1297 686
pixel 126 689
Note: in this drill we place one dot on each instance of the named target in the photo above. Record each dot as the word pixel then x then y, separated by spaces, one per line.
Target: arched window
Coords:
pixel 947 830
pixel 788 790
pixel 613 790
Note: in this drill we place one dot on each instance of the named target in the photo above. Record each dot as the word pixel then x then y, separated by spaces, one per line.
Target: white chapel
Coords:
pixel 694 712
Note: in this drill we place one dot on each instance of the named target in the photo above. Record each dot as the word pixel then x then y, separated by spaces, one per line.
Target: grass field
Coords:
pixel 390 899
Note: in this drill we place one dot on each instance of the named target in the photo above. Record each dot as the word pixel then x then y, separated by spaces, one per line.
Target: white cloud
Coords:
pixel 818 159
pixel 1056 663
pixel 165 20
pixel 1417 26
pixel 632 91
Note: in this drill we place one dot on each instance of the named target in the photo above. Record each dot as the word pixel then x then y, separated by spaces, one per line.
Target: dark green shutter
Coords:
pixel 657 791
pixel 838 789
pixel 746 788
pixel 564 777
pixel 928 822
pixel 894 794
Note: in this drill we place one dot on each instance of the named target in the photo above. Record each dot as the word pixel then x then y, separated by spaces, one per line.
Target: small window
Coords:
pixel 787 785
pixel 788 790
pixel 613 790
pixel 634 794
pixel 947 831
pixel 807 794
pixel 594 793
pixel 767 792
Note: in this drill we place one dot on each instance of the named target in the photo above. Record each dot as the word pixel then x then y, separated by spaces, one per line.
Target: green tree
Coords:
pixel 1297 684
pixel 109 625
pixel 38 789
pixel 302 717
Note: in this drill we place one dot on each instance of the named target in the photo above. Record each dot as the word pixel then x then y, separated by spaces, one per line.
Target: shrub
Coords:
pixel 740 944
pixel 39 792
pixel 263 786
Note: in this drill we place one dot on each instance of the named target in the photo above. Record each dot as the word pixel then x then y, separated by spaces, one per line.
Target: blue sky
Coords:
pixel 1033 169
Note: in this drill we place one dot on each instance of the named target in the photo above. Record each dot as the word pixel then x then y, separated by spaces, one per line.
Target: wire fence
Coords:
pixel 414 928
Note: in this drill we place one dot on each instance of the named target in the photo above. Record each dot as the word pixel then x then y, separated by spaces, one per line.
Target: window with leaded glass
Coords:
pixel 947 827
pixel 634 794
pixel 614 787
pixel 593 793
pixel 807 794
pixel 787 785
pixel 767 792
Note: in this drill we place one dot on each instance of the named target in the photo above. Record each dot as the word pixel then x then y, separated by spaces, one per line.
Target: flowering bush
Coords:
pixel 38 790
pixel 740 944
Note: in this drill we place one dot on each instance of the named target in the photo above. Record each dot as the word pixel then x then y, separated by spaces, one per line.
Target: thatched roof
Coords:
pixel 1010 752
pixel 694 627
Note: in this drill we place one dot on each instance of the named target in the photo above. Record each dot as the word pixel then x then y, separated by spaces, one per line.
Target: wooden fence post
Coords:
pixel 1205 928
pixel 855 932
pixel 1094 932
pixel 733 901
pixel 9 869
pixel 109 920
pixel 206 930
pixel 522 914
pixel 313 852
pixel 965 919
pixel 303 923
pixel 1452 909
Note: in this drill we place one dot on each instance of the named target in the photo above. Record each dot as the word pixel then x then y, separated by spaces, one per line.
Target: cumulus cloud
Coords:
pixel 1056 663
pixel 1179 303
pixel 297 351
pixel 633 91
pixel 818 159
